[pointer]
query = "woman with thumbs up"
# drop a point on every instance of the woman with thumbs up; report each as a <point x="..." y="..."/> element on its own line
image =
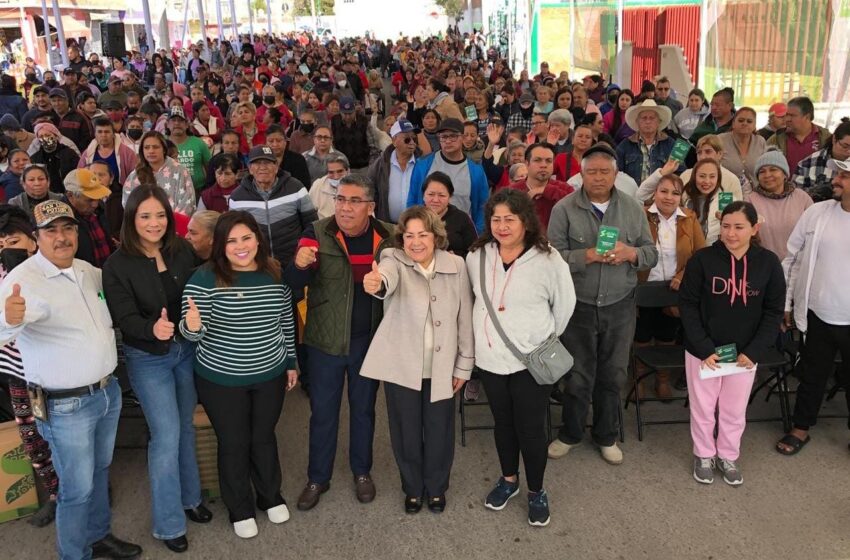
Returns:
<point x="426" y="334"/>
<point x="240" y="312"/>
<point x="144" y="282"/>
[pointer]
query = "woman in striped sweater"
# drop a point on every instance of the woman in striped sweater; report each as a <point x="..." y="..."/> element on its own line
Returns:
<point x="240" y="312"/>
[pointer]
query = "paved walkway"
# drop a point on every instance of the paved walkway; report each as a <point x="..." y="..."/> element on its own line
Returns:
<point x="648" y="508"/>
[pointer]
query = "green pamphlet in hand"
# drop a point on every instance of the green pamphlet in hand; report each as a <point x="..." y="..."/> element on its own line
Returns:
<point x="724" y="199"/>
<point x="308" y="86"/>
<point x="680" y="150"/>
<point x="471" y="113"/>
<point x="727" y="354"/>
<point x="607" y="239"/>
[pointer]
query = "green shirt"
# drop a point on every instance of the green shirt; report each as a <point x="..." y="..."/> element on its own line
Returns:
<point x="248" y="329"/>
<point x="194" y="155"/>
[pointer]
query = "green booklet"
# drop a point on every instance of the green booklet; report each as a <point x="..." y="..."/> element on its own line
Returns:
<point x="308" y="86"/>
<point x="471" y="113"/>
<point x="607" y="239"/>
<point x="727" y="354"/>
<point x="680" y="150"/>
<point x="724" y="199"/>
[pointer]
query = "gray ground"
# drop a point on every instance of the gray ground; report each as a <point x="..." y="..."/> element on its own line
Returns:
<point x="647" y="508"/>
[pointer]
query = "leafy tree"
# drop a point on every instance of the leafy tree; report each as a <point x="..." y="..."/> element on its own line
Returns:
<point x="453" y="8"/>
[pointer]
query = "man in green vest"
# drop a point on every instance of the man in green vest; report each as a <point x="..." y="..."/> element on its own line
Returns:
<point x="334" y="254"/>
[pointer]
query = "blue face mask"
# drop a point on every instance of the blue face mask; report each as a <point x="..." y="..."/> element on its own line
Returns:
<point x="147" y="126"/>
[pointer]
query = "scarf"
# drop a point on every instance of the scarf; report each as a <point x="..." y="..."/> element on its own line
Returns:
<point x="437" y="100"/>
<point x="786" y="192"/>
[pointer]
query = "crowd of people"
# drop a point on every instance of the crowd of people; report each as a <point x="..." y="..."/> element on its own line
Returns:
<point x="443" y="216"/>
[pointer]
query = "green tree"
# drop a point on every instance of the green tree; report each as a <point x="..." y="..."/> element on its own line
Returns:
<point x="453" y="8"/>
<point x="323" y="8"/>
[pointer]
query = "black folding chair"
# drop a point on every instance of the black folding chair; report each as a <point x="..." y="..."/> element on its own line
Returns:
<point x="669" y="357"/>
<point x="779" y="364"/>
<point x="464" y="426"/>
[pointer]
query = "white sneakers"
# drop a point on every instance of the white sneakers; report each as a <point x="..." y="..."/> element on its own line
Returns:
<point x="612" y="454"/>
<point x="278" y="514"/>
<point x="246" y="528"/>
<point x="558" y="448"/>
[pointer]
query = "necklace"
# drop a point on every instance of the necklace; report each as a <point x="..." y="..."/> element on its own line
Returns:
<point x="501" y="306"/>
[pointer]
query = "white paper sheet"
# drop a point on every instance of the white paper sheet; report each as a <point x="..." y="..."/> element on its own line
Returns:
<point x="724" y="370"/>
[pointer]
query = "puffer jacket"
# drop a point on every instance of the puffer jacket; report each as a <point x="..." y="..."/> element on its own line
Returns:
<point x="283" y="214"/>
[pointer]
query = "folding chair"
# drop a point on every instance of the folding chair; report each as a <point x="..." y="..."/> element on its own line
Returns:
<point x="464" y="427"/>
<point x="779" y="365"/>
<point x="654" y="358"/>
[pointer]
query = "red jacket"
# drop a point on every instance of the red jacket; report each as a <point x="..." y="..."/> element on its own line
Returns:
<point x="544" y="202"/>
<point x="562" y="165"/>
<point x="258" y="140"/>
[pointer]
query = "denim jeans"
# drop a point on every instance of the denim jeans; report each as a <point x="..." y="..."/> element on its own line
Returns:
<point x="165" y="387"/>
<point x="81" y="433"/>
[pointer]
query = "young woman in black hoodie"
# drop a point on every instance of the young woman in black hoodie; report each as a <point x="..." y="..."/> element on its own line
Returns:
<point x="732" y="293"/>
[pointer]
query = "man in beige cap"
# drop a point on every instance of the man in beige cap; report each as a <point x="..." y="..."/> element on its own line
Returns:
<point x="649" y="147"/>
<point x="85" y="194"/>
<point x="54" y="308"/>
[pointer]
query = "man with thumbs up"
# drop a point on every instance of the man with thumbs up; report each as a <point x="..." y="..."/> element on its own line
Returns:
<point x="54" y="308"/>
<point x="334" y="258"/>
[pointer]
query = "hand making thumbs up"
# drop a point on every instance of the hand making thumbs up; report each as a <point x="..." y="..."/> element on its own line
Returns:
<point x="373" y="280"/>
<point x="305" y="257"/>
<point x="16" y="307"/>
<point x="193" y="317"/>
<point x="163" y="329"/>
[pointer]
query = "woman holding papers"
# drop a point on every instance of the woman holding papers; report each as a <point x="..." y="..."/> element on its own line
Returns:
<point x="731" y="303"/>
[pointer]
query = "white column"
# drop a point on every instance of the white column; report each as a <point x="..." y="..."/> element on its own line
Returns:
<point x="233" y="21"/>
<point x="621" y="24"/>
<point x="46" y="33"/>
<point x="185" y="23"/>
<point x="63" y="48"/>
<point x="218" y="20"/>
<point x="269" y="14"/>
<point x="251" y="20"/>
<point x="148" y="27"/>
<point x="203" y="21"/>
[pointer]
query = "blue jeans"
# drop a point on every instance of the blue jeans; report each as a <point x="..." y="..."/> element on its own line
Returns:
<point x="165" y="387"/>
<point x="81" y="434"/>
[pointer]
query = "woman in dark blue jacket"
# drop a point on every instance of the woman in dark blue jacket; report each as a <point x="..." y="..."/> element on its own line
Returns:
<point x="11" y="101"/>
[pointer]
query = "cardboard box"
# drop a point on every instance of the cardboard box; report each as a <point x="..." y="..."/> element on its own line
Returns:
<point x="206" y="450"/>
<point x="18" y="496"/>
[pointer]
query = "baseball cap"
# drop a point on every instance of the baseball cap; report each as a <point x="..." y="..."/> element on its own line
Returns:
<point x="83" y="181"/>
<point x="526" y="98"/>
<point x="402" y="125"/>
<point x="778" y="109"/>
<point x="600" y="148"/>
<point x="113" y="105"/>
<point x="260" y="153"/>
<point x="838" y="165"/>
<point x="453" y="125"/>
<point x="58" y="92"/>
<point x="69" y="70"/>
<point x="177" y="113"/>
<point x="48" y="211"/>
<point x="346" y="105"/>
<point x="114" y="78"/>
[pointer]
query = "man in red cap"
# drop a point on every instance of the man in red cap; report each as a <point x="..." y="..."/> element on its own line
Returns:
<point x="775" y="120"/>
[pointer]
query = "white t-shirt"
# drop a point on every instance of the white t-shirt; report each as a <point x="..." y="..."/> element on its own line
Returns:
<point x="829" y="297"/>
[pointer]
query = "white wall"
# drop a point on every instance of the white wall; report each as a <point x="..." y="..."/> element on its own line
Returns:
<point x="388" y="18"/>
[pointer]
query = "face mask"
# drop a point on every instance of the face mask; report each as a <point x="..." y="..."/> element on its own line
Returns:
<point x="333" y="182"/>
<point x="132" y="111"/>
<point x="51" y="83"/>
<point x="612" y="98"/>
<point x="308" y="128"/>
<point x="526" y="113"/>
<point x="49" y="144"/>
<point x="135" y="133"/>
<point x="146" y="126"/>
<point x="268" y="99"/>
<point x="342" y="83"/>
<point x="98" y="75"/>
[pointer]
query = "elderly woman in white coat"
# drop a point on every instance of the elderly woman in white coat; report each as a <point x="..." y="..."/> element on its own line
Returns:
<point x="423" y="350"/>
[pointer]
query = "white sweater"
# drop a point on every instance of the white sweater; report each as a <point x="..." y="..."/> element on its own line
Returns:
<point x="538" y="298"/>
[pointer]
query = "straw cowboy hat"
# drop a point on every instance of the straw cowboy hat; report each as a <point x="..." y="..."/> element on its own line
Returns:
<point x="664" y="114"/>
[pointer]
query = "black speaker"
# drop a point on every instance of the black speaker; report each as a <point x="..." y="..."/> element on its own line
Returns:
<point x="112" y="39"/>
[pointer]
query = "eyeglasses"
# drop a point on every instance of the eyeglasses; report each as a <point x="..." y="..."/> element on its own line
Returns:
<point x="409" y="140"/>
<point x="354" y="201"/>
<point x="444" y="137"/>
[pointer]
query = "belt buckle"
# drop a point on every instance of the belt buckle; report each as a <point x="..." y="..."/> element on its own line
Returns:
<point x="105" y="381"/>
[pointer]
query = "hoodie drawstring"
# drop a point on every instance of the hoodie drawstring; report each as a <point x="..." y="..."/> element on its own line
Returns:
<point x="734" y="291"/>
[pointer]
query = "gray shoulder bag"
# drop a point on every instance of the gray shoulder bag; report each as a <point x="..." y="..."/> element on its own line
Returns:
<point x="547" y="363"/>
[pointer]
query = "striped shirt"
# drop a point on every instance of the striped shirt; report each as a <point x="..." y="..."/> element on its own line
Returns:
<point x="248" y="329"/>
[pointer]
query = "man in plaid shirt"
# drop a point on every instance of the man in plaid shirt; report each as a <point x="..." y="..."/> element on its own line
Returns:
<point x="522" y="118"/>
<point x="84" y="193"/>
<point x="813" y="175"/>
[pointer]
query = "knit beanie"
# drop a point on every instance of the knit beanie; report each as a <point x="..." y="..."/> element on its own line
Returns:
<point x="9" y="122"/>
<point x="775" y="158"/>
<point x="47" y="127"/>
